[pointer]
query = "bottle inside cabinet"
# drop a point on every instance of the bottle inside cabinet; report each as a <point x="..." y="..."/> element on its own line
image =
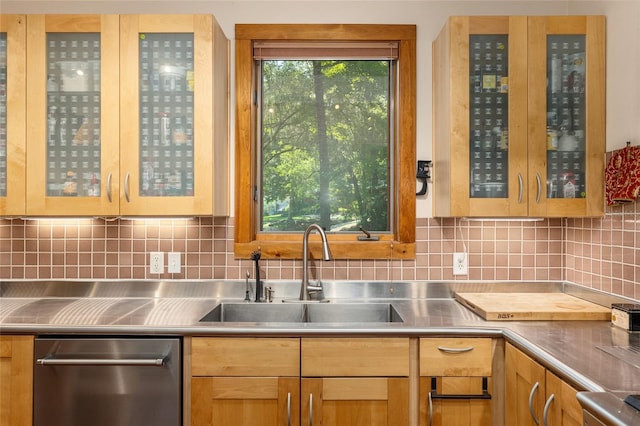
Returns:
<point x="489" y="119"/>
<point x="166" y="114"/>
<point x="566" y="72"/>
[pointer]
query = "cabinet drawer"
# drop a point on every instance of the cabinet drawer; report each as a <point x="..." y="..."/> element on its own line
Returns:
<point x="359" y="357"/>
<point x="256" y="357"/>
<point x="455" y="357"/>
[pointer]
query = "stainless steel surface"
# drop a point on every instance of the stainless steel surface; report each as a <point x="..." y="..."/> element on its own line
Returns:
<point x="590" y="420"/>
<point x="50" y="360"/>
<point x="609" y="408"/>
<point x="305" y="287"/>
<point x="107" y="381"/>
<point x="628" y="354"/>
<point x="340" y="313"/>
<point x="568" y="348"/>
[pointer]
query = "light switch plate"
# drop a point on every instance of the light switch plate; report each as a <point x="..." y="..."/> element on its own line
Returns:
<point x="174" y="263"/>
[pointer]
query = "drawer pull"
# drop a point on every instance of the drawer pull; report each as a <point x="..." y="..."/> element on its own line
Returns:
<point x="435" y="395"/>
<point x="310" y="409"/>
<point x="289" y="409"/>
<point x="455" y="350"/>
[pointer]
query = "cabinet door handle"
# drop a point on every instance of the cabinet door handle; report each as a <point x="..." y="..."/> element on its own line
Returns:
<point x="539" y="183"/>
<point x="289" y="409"/>
<point x="531" y="394"/>
<point x="126" y="187"/>
<point x="310" y="409"/>
<point x="455" y="350"/>
<point x="521" y="192"/>
<point x="109" y="187"/>
<point x="545" y="412"/>
<point x="430" y="402"/>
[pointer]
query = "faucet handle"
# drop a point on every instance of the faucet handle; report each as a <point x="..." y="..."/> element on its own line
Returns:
<point x="268" y="294"/>
<point x="315" y="287"/>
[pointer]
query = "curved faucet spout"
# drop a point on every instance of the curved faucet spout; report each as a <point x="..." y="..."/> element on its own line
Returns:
<point x="326" y="255"/>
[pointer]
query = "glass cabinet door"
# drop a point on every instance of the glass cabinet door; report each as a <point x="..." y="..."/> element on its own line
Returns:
<point x="167" y="113"/>
<point x="489" y="143"/>
<point x="566" y="74"/>
<point x="166" y="84"/>
<point x="12" y="114"/>
<point x="72" y="100"/>
<point x="566" y="116"/>
<point x="489" y="117"/>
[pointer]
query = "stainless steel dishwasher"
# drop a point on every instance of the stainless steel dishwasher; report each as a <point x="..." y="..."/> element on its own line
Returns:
<point x="123" y="381"/>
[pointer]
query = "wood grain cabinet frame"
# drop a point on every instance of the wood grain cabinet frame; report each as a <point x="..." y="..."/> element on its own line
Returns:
<point x="521" y="153"/>
<point x="16" y="380"/>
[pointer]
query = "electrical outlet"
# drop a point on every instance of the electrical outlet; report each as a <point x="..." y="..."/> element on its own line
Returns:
<point x="460" y="264"/>
<point x="156" y="262"/>
<point x="174" y="262"/>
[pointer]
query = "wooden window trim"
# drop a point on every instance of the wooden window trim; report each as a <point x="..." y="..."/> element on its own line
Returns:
<point x="400" y="244"/>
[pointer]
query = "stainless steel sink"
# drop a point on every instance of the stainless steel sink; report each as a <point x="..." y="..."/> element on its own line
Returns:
<point x="304" y="312"/>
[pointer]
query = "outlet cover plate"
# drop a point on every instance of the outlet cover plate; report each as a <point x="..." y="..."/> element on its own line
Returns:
<point x="156" y="262"/>
<point x="460" y="264"/>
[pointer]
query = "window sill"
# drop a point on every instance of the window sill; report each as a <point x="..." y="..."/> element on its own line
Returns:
<point x="340" y="249"/>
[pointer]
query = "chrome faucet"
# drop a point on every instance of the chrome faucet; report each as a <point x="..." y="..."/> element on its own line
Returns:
<point x="305" y="287"/>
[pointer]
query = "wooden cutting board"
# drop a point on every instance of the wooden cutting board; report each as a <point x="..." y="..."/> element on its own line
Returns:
<point x="532" y="307"/>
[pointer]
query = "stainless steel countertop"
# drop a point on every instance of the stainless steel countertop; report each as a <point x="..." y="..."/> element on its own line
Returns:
<point x="575" y="350"/>
<point x="610" y="408"/>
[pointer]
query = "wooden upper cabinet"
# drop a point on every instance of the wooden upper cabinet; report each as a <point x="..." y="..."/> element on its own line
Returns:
<point x="72" y="99"/>
<point x="124" y="113"/>
<point x="518" y="113"/>
<point x="12" y="114"/>
<point x="479" y="116"/>
<point x="567" y="102"/>
<point x="173" y="110"/>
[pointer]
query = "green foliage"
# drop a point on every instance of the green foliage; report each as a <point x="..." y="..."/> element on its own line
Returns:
<point x="355" y="108"/>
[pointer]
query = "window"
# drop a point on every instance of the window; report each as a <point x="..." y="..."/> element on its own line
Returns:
<point x="325" y="133"/>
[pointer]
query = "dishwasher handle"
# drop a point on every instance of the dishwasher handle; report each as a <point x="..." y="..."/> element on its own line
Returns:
<point x="150" y="362"/>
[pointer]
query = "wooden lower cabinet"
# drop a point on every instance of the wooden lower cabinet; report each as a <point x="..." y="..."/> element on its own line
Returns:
<point x="536" y="396"/>
<point x="298" y="382"/>
<point x="351" y="401"/>
<point x="233" y="401"/>
<point x="244" y="381"/>
<point x="355" y="381"/>
<point x="16" y="380"/>
<point x="456" y="381"/>
<point x="454" y="412"/>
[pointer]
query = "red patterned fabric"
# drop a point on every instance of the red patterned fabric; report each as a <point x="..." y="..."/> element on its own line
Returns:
<point x="622" y="176"/>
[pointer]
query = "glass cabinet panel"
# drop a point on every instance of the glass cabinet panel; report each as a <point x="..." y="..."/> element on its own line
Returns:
<point x="488" y="121"/>
<point x="73" y="114"/>
<point x="166" y="114"/>
<point x="566" y="106"/>
<point x="3" y="114"/>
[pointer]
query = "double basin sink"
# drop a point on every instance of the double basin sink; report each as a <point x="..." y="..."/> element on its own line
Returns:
<point x="304" y="313"/>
